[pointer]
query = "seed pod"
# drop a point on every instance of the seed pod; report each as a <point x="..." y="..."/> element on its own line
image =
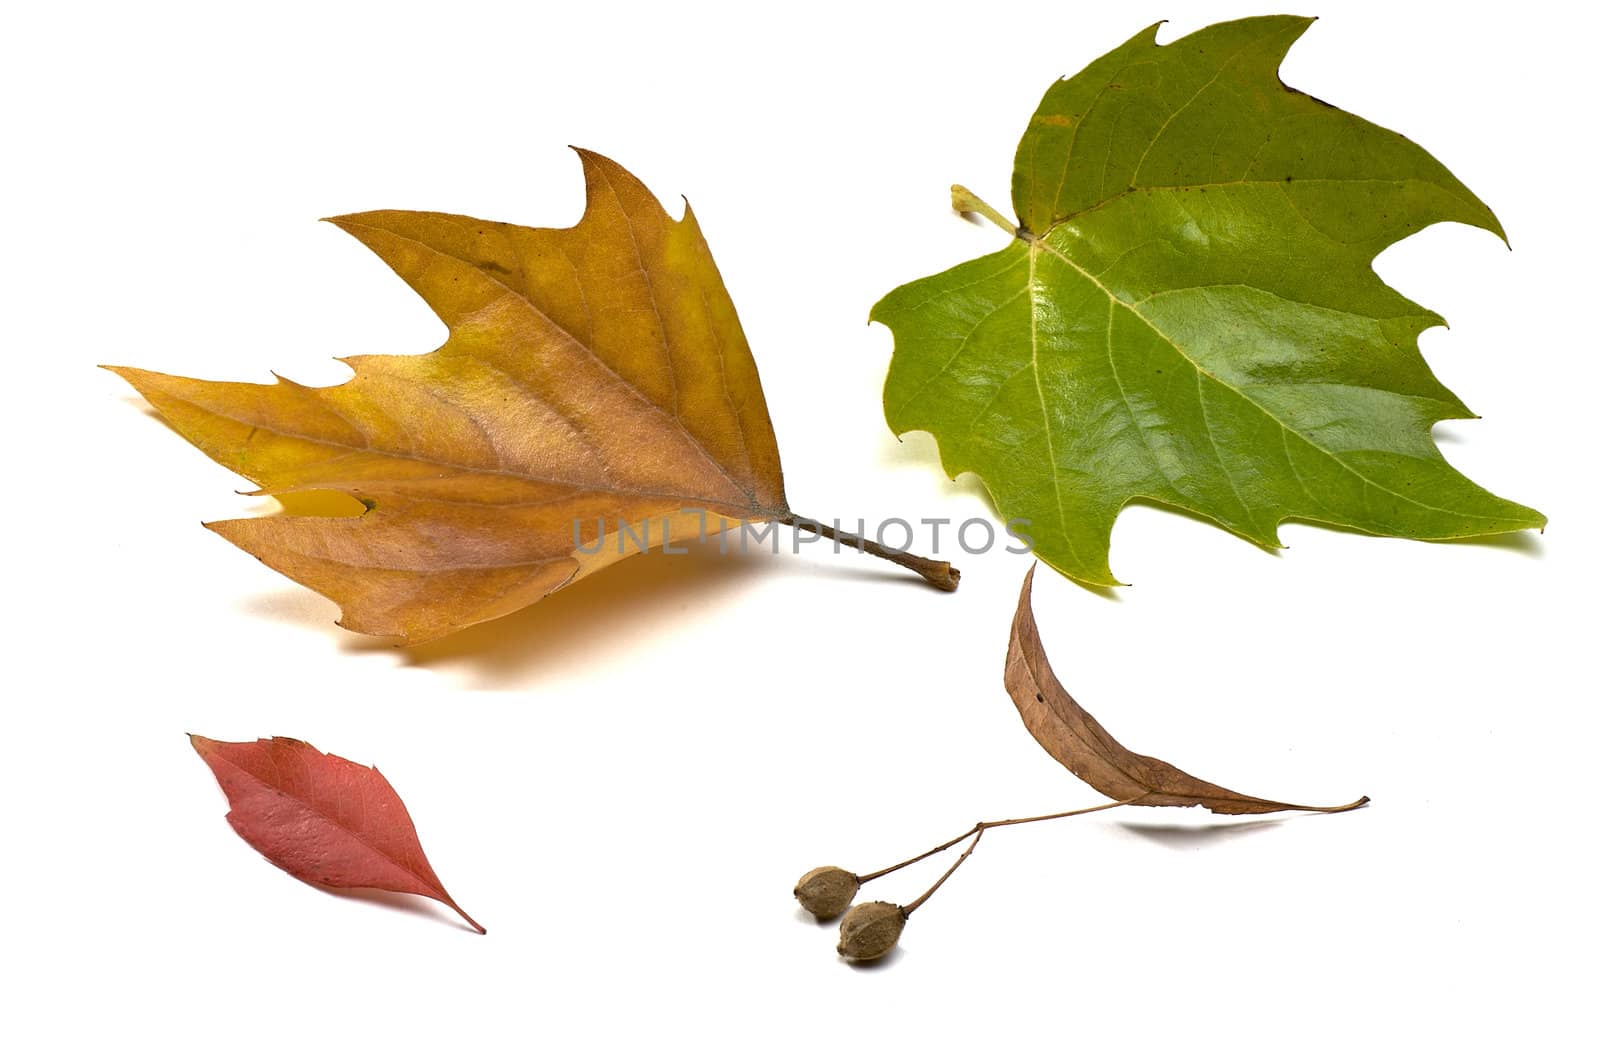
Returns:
<point x="826" y="891"/>
<point x="870" y="930"/>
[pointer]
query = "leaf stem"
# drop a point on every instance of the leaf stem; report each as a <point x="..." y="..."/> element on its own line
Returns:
<point x="863" y="879"/>
<point x="462" y="913"/>
<point x="963" y="201"/>
<point x="918" y="903"/>
<point x="979" y="828"/>
<point x="938" y="573"/>
<point x="976" y="834"/>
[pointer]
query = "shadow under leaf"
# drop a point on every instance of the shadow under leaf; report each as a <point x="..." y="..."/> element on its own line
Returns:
<point x="1198" y="836"/>
<point x="603" y="614"/>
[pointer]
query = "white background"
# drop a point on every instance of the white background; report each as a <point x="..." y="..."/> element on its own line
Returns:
<point x="623" y="783"/>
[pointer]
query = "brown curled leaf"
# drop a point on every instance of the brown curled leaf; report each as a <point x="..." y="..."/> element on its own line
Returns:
<point x="1076" y="739"/>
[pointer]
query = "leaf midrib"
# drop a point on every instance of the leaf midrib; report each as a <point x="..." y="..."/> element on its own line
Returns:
<point x="367" y="448"/>
<point x="1044" y="413"/>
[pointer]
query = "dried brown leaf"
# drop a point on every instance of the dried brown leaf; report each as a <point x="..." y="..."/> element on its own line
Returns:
<point x="1068" y="733"/>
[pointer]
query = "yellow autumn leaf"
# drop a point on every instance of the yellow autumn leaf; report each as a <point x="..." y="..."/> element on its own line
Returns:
<point x="595" y="385"/>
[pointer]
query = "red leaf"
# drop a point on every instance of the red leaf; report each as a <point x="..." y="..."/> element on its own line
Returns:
<point x="325" y="820"/>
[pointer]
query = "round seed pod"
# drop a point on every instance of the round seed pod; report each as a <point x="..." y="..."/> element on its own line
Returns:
<point x="870" y="930"/>
<point x="825" y="892"/>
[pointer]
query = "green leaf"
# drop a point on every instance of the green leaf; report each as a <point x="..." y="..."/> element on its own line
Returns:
<point x="1188" y="313"/>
